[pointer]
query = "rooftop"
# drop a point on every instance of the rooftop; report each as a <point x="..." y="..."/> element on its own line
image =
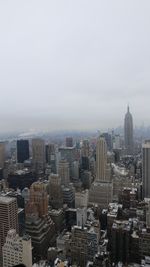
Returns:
<point x="6" y="200"/>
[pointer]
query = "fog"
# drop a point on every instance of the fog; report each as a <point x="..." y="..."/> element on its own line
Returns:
<point x="73" y="64"/>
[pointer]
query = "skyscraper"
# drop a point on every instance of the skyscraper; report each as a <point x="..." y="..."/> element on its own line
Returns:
<point x="2" y="154"/>
<point x="101" y="190"/>
<point x="39" y="197"/>
<point x="69" y="142"/>
<point x="38" y="154"/>
<point x="85" y="152"/>
<point x="51" y="156"/>
<point x="128" y="132"/>
<point x="101" y="159"/>
<point x="22" y="150"/>
<point x="8" y="218"/>
<point x="55" y="191"/>
<point x="63" y="171"/>
<point x="146" y="168"/>
<point x="17" y="250"/>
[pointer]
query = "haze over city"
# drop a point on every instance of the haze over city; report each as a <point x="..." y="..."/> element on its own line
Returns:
<point x="73" y="64"/>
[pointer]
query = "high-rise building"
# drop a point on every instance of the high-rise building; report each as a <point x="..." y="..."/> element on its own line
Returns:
<point x="22" y="150"/>
<point x="55" y="191"/>
<point x="85" y="150"/>
<point x="69" y="142"/>
<point x="2" y="154"/>
<point x="83" y="245"/>
<point x="17" y="250"/>
<point x="8" y="217"/>
<point x="85" y="153"/>
<point x="39" y="197"/>
<point x="68" y="195"/>
<point x="108" y="139"/>
<point x="81" y="216"/>
<point x="51" y="157"/>
<point x="128" y="132"/>
<point x="68" y="153"/>
<point x="39" y="224"/>
<point x="63" y="171"/>
<point x="101" y="190"/>
<point x="146" y="168"/>
<point x="81" y="199"/>
<point x="42" y="232"/>
<point x="38" y="154"/>
<point x="101" y="159"/>
<point x="120" y="241"/>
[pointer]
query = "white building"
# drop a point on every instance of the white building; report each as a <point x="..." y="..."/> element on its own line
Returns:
<point x="17" y="250"/>
<point x="81" y="199"/>
<point x="81" y="216"/>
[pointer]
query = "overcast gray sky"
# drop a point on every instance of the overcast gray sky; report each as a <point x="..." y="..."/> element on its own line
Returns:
<point x="73" y="64"/>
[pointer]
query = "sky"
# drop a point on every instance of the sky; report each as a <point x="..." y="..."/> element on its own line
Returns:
<point x="73" y="64"/>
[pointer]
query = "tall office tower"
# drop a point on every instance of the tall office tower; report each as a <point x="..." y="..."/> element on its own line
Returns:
<point x="17" y="250"/>
<point x="81" y="199"/>
<point x="38" y="154"/>
<point x="51" y="157"/>
<point x="69" y="142"/>
<point x="55" y="191"/>
<point x="85" y="152"/>
<point x="39" y="197"/>
<point x="101" y="159"/>
<point x="101" y="190"/>
<point x="63" y="171"/>
<point x="8" y="218"/>
<point x="128" y="132"/>
<point x="2" y="154"/>
<point x="83" y="245"/>
<point x="75" y="171"/>
<point x="81" y="216"/>
<point x="39" y="224"/>
<point x="22" y="150"/>
<point x="70" y="154"/>
<point x="108" y="139"/>
<point x="120" y="241"/>
<point x="41" y="230"/>
<point x="146" y="168"/>
<point x="68" y="195"/>
<point x="117" y="142"/>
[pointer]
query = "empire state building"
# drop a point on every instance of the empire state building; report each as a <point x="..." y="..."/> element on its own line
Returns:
<point x="128" y="132"/>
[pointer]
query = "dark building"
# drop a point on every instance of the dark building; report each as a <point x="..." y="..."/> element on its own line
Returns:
<point x="51" y="157"/>
<point x="71" y="218"/>
<point x="21" y="179"/>
<point x="69" y="142"/>
<point x="120" y="241"/>
<point x="22" y="150"/>
<point x="85" y="163"/>
<point x="42" y="232"/>
<point x="21" y="221"/>
<point x="19" y="198"/>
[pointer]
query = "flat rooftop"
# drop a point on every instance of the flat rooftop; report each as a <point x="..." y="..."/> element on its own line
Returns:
<point x="6" y="200"/>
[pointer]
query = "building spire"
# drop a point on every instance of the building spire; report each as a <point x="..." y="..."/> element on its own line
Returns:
<point x="128" y="108"/>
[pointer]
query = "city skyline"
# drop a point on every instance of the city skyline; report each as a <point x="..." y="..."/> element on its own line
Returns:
<point x="73" y="65"/>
